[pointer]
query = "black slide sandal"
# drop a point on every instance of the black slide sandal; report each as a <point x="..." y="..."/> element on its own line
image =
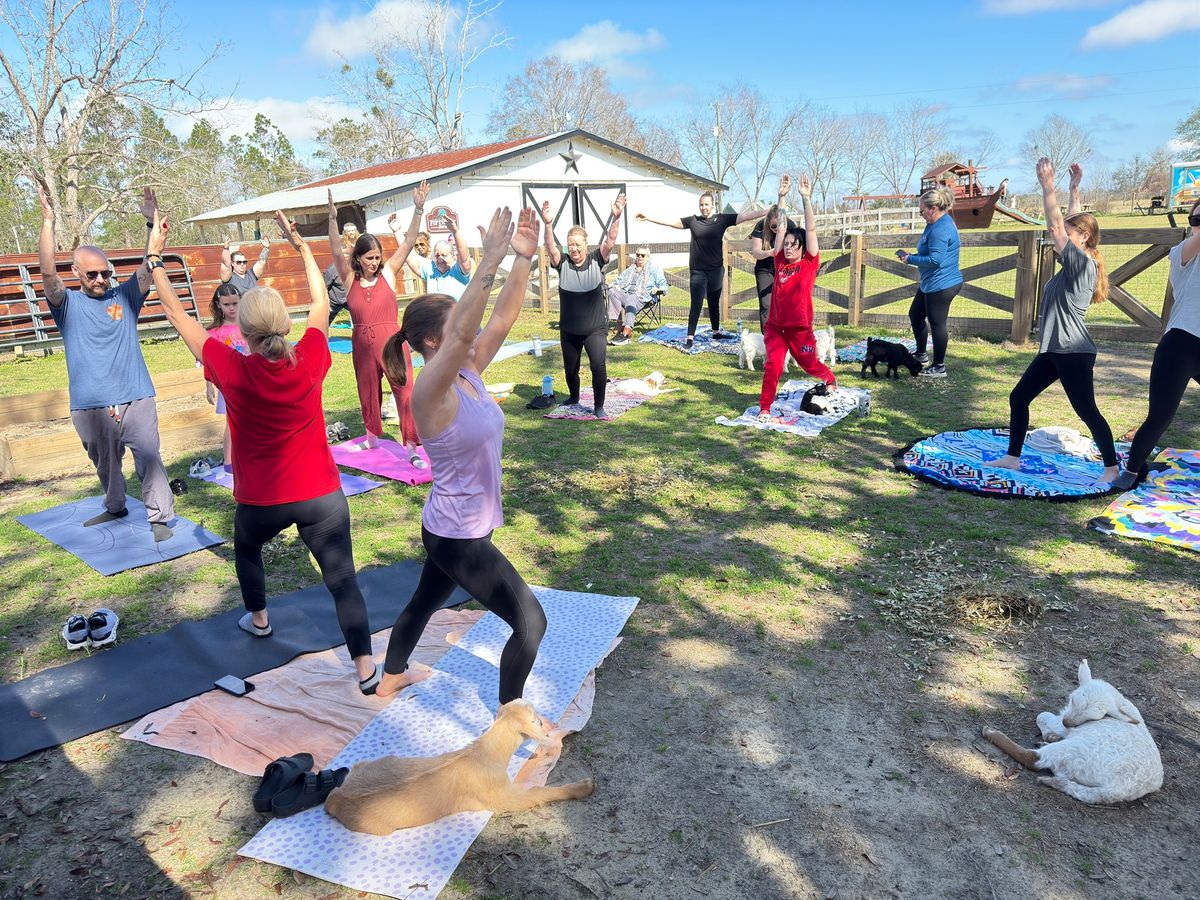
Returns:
<point x="311" y="790"/>
<point x="279" y="776"/>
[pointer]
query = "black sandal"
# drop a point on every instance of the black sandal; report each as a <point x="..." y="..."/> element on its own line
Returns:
<point x="280" y="775"/>
<point x="306" y="793"/>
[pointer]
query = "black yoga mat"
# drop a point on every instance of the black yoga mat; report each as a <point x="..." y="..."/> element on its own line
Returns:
<point x="131" y="679"/>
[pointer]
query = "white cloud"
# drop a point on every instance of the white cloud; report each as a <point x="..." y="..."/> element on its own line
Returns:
<point x="332" y="38"/>
<point x="1067" y="86"/>
<point x="298" y="119"/>
<point x="1144" y="22"/>
<point x="1025" y="7"/>
<point x="606" y="45"/>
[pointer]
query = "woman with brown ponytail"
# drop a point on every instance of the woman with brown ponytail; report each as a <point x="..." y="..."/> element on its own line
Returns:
<point x="283" y="471"/>
<point x="1067" y="353"/>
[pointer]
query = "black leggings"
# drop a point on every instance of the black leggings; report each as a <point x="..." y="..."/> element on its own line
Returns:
<point x="764" y="281"/>
<point x="706" y="283"/>
<point x="596" y="345"/>
<point x="324" y="526"/>
<point x="1176" y="362"/>
<point x="935" y="308"/>
<point x="1074" y="370"/>
<point x="479" y="568"/>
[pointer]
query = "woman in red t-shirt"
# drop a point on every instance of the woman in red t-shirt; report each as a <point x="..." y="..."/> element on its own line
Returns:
<point x="790" y="319"/>
<point x="283" y="472"/>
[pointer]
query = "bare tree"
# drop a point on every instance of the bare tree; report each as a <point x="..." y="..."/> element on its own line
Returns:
<point x="79" y="77"/>
<point x="864" y="130"/>
<point x="820" y="146"/>
<point x="421" y="75"/>
<point x="766" y="134"/>
<point x="715" y="137"/>
<point x="909" y="138"/>
<point x="552" y="95"/>
<point x="1060" y="139"/>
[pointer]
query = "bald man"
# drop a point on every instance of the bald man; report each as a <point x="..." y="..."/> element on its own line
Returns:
<point x="450" y="268"/>
<point x="111" y="395"/>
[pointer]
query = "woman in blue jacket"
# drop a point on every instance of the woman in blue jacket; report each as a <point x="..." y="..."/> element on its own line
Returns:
<point x="937" y="260"/>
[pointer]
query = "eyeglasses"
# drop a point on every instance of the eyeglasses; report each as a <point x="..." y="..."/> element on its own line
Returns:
<point x="239" y="262"/>
<point x="92" y="276"/>
<point x="640" y="255"/>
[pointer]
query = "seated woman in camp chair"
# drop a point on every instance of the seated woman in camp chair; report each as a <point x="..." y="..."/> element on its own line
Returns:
<point x="639" y="286"/>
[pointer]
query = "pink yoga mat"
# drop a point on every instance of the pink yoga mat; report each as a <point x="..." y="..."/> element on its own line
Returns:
<point x="389" y="460"/>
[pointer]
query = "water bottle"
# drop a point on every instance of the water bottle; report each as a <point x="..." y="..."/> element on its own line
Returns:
<point x="547" y="385"/>
<point x="537" y="347"/>
<point x="739" y="328"/>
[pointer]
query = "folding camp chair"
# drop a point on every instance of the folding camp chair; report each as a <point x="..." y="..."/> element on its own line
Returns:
<point x="651" y="312"/>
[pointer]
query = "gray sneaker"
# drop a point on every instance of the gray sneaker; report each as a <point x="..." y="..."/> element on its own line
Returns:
<point x="933" y="372"/>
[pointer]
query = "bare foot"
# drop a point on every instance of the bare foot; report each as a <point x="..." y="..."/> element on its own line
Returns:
<point x="1109" y="476"/>
<point x="1007" y="461"/>
<point x="393" y="684"/>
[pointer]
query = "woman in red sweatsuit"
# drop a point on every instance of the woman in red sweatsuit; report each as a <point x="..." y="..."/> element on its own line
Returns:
<point x="789" y="322"/>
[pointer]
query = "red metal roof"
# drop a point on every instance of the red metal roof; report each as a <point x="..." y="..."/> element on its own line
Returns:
<point x="447" y="160"/>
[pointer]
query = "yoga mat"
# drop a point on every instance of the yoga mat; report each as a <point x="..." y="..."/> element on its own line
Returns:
<point x="389" y="460"/>
<point x="116" y="546"/>
<point x="795" y="420"/>
<point x="1165" y="507"/>
<point x="615" y="405"/>
<point x="510" y="349"/>
<point x="309" y="704"/>
<point x="857" y="352"/>
<point x="675" y="335"/>
<point x="339" y="345"/>
<point x="148" y="673"/>
<point x="351" y="484"/>
<point x="443" y="713"/>
<point x="955" y="460"/>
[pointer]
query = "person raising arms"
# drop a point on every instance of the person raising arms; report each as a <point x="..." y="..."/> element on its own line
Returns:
<point x="463" y="429"/>
<point x="371" y="298"/>
<point x="1067" y="352"/>
<point x="283" y="470"/>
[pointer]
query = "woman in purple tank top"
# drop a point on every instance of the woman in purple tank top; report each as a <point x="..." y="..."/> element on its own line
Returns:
<point x="462" y="429"/>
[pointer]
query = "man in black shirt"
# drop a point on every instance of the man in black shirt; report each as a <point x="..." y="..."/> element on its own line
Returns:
<point x="705" y="261"/>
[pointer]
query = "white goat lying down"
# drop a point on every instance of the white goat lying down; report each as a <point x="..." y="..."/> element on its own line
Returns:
<point x="1102" y="751"/>
<point x="393" y="792"/>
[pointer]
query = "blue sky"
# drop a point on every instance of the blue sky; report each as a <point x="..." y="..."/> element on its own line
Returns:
<point x="1126" y="69"/>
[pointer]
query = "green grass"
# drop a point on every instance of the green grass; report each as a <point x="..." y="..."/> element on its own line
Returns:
<point x="718" y="530"/>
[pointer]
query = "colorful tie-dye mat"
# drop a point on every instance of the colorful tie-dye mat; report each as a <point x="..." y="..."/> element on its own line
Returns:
<point x="1165" y="507"/>
<point x="614" y="404"/>
<point x="442" y="713"/>
<point x="857" y="352"/>
<point x="675" y="335"/>
<point x="794" y="420"/>
<point x="957" y="460"/>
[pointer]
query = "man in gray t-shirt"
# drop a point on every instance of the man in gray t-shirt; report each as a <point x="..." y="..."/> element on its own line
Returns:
<point x="236" y="269"/>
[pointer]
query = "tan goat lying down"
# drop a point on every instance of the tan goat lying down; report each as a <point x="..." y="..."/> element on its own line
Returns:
<point x="382" y="795"/>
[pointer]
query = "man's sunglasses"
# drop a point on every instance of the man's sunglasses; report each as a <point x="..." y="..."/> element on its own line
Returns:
<point x="1194" y="221"/>
<point x="92" y="276"/>
<point x="239" y="262"/>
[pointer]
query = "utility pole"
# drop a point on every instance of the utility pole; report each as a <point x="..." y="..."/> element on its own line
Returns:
<point x="717" y="141"/>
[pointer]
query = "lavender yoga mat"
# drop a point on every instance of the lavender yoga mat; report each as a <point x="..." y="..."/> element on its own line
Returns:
<point x="389" y="460"/>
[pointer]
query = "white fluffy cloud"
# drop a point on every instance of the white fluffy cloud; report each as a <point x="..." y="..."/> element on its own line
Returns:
<point x="605" y="44"/>
<point x="1144" y="22"/>
<point x="332" y="38"/>
<point x="1025" y="7"/>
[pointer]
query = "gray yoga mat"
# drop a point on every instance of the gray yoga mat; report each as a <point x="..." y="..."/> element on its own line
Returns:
<point x="128" y="680"/>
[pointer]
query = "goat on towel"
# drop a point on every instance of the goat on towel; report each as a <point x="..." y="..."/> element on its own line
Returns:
<point x="393" y="792"/>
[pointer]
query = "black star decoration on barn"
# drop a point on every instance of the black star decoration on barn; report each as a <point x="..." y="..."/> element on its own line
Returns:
<point x="571" y="158"/>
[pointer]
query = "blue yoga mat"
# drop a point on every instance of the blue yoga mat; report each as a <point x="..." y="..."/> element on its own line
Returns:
<point x="116" y="546"/>
<point x="674" y="336"/>
<point x="351" y="484"/>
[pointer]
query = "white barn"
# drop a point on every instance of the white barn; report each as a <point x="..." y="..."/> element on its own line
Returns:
<point x="578" y="172"/>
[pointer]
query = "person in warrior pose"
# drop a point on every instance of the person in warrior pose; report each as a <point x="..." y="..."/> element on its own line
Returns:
<point x="371" y="298"/>
<point x="464" y="431"/>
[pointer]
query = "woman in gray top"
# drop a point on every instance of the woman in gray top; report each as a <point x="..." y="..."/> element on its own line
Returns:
<point x="1067" y="353"/>
<point x="1177" y="357"/>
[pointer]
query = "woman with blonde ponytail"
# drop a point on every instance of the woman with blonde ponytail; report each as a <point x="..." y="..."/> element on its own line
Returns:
<point x="283" y="472"/>
<point x="936" y="260"/>
<point x="1067" y="352"/>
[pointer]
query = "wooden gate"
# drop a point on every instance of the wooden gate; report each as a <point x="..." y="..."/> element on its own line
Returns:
<point x="587" y="205"/>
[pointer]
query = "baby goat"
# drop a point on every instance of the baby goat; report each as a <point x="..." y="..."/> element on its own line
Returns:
<point x="1102" y="750"/>
<point x="382" y="795"/>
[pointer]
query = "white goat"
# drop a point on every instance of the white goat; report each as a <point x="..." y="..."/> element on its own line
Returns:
<point x="1102" y="751"/>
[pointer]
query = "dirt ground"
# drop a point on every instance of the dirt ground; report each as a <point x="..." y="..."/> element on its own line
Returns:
<point x="836" y="755"/>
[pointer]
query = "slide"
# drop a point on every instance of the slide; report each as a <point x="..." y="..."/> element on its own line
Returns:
<point x="1018" y="215"/>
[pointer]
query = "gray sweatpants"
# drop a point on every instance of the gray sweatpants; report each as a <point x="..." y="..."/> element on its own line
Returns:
<point x="620" y="300"/>
<point x="105" y="439"/>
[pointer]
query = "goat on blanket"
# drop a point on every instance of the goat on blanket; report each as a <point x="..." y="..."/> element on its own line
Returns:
<point x="381" y="795"/>
<point x="1102" y="750"/>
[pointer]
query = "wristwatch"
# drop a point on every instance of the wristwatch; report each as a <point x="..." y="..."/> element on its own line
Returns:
<point x="155" y="264"/>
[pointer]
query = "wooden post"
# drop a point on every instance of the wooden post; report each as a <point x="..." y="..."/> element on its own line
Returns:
<point x="1025" y="297"/>
<point x="854" y="299"/>
<point x="543" y="280"/>
<point x="727" y="287"/>
<point x="622" y="258"/>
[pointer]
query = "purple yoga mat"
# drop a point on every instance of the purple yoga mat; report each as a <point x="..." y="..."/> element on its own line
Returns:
<point x="351" y="484"/>
<point x="389" y="460"/>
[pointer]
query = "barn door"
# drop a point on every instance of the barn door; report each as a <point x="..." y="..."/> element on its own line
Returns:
<point x="589" y="205"/>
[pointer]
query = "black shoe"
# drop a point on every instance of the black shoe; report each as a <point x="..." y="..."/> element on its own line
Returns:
<point x="687" y="344"/>
<point x="279" y="776"/>
<point x="1125" y="480"/>
<point x="620" y="340"/>
<point x="306" y="793"/>
<point x="106" y="516"/>
<point x="722" y="336"/>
